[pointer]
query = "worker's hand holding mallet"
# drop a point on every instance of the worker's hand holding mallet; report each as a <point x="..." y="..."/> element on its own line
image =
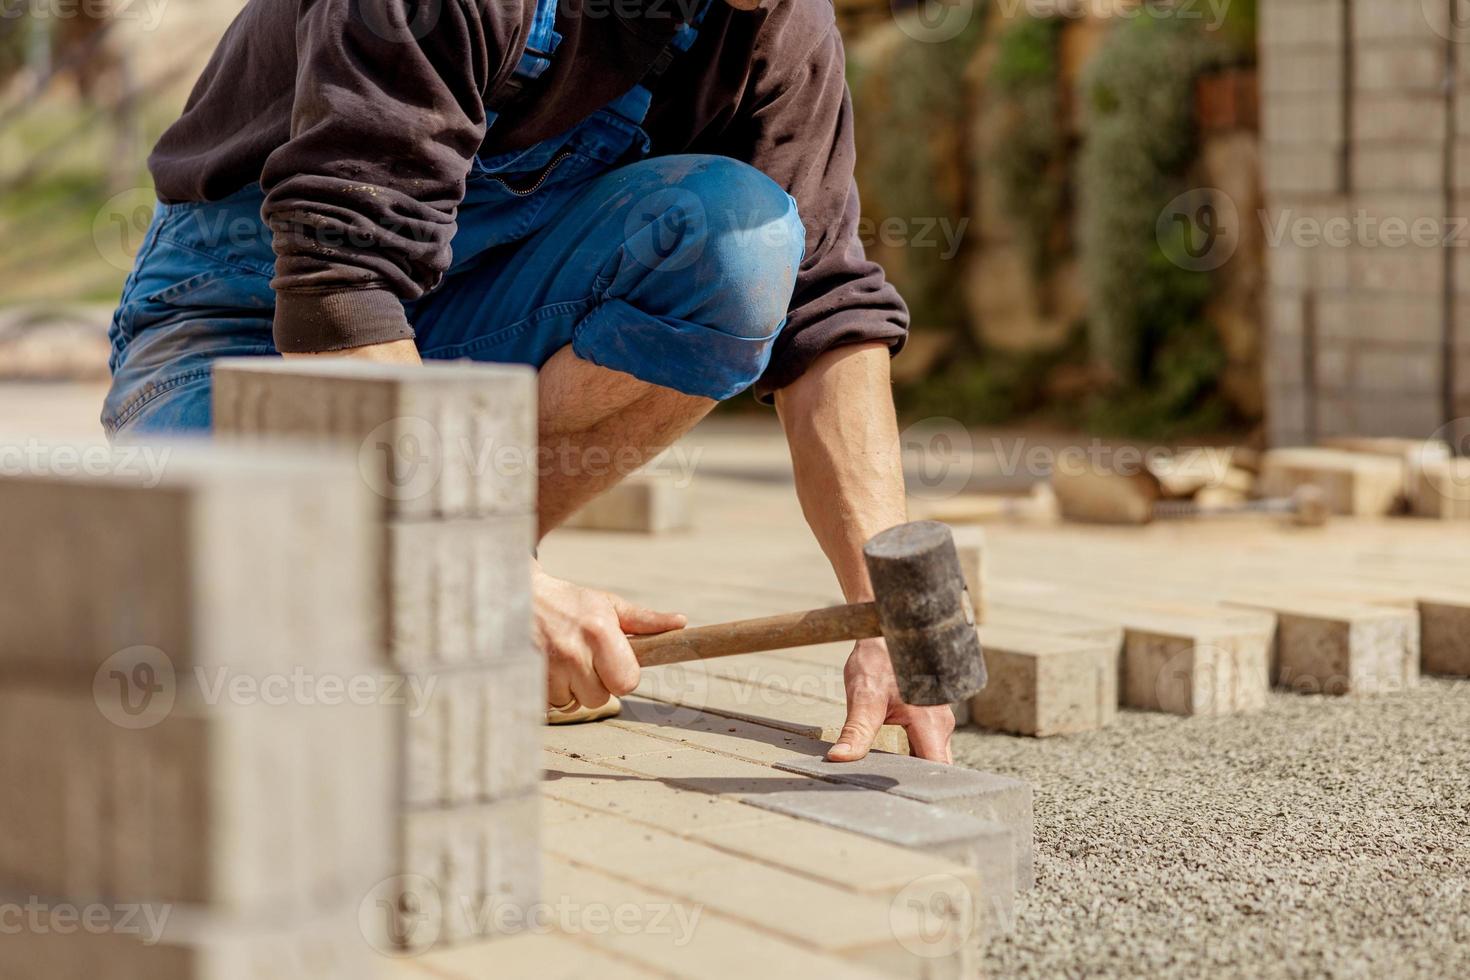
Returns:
<point x="922" y="614"/>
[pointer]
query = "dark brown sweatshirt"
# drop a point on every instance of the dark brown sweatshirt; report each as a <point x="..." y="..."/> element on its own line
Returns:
<point x="360" y="119"/>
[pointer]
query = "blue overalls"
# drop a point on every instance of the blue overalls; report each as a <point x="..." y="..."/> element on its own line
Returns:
<point x="678" y="270"/>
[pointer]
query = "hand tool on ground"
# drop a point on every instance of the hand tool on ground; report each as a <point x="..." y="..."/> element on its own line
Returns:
<point x="1100" y="496"/>
<point x="922" y="610"/>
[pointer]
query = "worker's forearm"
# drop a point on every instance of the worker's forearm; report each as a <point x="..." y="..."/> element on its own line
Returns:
<point x="843" y="433"/>
<point x="393" y="352"/>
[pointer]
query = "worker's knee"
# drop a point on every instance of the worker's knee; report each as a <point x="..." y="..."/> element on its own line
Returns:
<point x="715" y="246"/>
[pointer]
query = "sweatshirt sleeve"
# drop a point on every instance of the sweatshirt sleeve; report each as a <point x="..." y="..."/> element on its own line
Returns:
<point x="801" y="135"/>
<point x="361" y="200"/>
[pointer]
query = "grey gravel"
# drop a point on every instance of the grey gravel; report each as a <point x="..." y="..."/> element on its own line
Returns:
<point x="1321" y="837"/>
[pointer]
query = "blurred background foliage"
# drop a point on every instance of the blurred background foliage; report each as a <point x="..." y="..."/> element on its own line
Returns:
<point x="1012" y="169"/>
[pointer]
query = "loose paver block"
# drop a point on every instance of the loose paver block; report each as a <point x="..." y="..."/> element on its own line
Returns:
<point x="1355" y="484"/>
<point x="988" y="796"/>
<point x="466" y="873"/>
<point x="239" y="560"/>
<point x="1444" y="636"/>
<point x="1045" y="685"/>
<point x="969" y="542"/>
<point x="438" y="440"/>
<point x="1194" y="667"/>
<point x="1328" y="647"/>
<point x="1441" y="489"/>
<point x="472" y="735"/>
<point x="459" y="592"/>
<point x="643" y="504"/>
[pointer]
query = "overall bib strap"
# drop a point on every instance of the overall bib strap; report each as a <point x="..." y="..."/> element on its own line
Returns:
<point x="535" y="60"/>
<point x="633" y="104"/>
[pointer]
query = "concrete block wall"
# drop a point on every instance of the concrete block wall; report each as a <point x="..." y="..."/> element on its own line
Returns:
<point x="185" y="796"/>
<point x="449" y="452"/>
<point x="1362" y="187"/>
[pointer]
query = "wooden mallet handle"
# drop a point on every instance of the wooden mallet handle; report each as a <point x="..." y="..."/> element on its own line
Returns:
<point x="856" y="622"/>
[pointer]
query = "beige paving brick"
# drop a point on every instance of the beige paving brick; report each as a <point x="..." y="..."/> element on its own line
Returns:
<point x="1082" y="628"/>
<point x="473" y="735"/>
<point x="1441" y="489"/>
<point x="718" y="733"/>
<point x="1045" y="685"/>
<point x="969" y="542"/>
<point x="549" y="955"/>
<point x="1358" y="484"/>
<point x="472" y="872"/>
<point x="255" y="562"/>
<point x="1194" y="667"/>
<point x="253" y="810"/>
<point x="438" y="440"/>
<point x="459" y="592"/>
<point x="1328" y="647"/>
<point x="1444" y="636"/>
<point x="683" y="938"/>
<point x="642" y="503"/>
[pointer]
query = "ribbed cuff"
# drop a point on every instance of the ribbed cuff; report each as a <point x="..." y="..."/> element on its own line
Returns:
<point x="309" y="323"/>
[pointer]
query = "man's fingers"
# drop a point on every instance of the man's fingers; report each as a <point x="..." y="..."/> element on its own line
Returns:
<point x="864" y="718"/>
<point x="638" y="620"/>
<point x="929" y="730"/>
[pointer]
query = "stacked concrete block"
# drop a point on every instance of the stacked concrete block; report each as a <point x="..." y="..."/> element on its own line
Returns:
<point x="1356" y="124"/>
<point x="450" y="450"/>
<point x="1441" y="489"/>
<point x="1194" y="666"/>
<point x="193" y="720"/>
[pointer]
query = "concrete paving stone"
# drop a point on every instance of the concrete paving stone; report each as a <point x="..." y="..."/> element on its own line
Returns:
<point x="708" y="772"/>
<point x="477" y="868"/>
<point x="548" y="955"/>
<point x="690" y="689"/>
<point x="641" y="504"/>
<point x="1355" y="484"/>
<point x="1083" y="628"/>
<point x="474" y="735"/>
<point x="253" y="810"/>
<point x="803" y="682"/>
<point x="620" y="794"/>
<point x="440" y="440"/>
<point x="680" y="938"/>
<point x="1328" y="647"/>
<point x="635" y="851"/>
<point x="989" y="797"/>
<point x="459" y="592"/>
<point x="1441" y="490"/>
<point x="1043" y="685"/>
<point x="986" y="847"/>
<point x="1444" y="635"/>
<point x="193" y="945"/>
<point x="969" y="541"/>
<point x="256" y="562"/>
<point x="1194" y="667"/>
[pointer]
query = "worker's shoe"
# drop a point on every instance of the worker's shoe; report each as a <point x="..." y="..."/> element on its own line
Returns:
<point x="578" y="714"/>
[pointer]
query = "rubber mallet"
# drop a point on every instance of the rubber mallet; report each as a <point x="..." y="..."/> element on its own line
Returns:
<point x="922" y="610"/>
